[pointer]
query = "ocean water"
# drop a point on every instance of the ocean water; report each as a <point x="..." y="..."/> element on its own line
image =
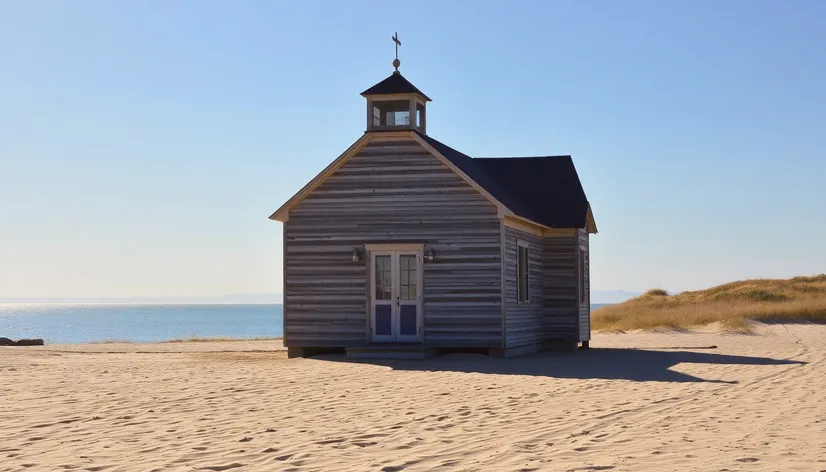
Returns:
<point x="71" y="324"/>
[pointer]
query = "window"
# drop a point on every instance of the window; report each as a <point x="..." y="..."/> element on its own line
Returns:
<point x="376" y="116"/>
<point x="523" y="281"/>
<point x="383" y="277"/>
<point x="391" y="113"/>
<point x="420" y="118"/>
<point x="583" y="275"/>
<point x="408" y="276"/>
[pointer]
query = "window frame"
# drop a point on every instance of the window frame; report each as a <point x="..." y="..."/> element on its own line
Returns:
<point x="523" y="280"/>
<point x="582" y="263"/>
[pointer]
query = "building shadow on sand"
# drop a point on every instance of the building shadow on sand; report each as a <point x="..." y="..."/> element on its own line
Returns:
<point x="612" y="364"/>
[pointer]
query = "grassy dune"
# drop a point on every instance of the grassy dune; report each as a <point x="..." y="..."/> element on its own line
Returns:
<point x="733" y="304"/>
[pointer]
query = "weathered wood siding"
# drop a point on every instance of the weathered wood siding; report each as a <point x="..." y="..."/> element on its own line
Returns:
<point x="585" y="307"/>
<point x="523" y="321"/>
<point x="559" y="285"/>
<point x="393" y="191"/>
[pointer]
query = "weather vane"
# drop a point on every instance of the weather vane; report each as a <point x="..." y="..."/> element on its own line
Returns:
<point x="396" y="61"/>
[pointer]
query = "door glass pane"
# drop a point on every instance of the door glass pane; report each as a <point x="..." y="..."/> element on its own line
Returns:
<point x="407" y="320"/>
<point x="408" y="276"/>
<point x="383" y="278"/>
<point x="384" y="319"/>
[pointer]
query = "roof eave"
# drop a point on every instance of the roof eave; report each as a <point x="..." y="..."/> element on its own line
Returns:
<point x="282" y="214"/>
<point x="590" y="222"/>
<point x="417" y="94"/>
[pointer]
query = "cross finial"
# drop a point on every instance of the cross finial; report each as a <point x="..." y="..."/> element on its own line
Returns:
<point x="396" y="61"/>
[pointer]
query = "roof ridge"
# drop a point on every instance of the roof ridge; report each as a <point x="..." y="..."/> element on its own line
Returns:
<point x="544" y="189"/>
<point x="525" y="157"/>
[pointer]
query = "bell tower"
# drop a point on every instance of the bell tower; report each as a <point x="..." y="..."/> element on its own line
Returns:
<point x="395" y="103"/>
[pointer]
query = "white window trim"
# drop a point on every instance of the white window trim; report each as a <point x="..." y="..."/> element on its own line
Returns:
<point x="527" y="301"/>
<point x="395" y="247"/>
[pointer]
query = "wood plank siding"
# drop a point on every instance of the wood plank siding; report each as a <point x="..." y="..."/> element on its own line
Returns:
<point x="585" y="307"/>
<point x="523" y="320"/>
<point x="553" y="311"/>
<point x="559" y="285"/>
<point x="393" y="192"/>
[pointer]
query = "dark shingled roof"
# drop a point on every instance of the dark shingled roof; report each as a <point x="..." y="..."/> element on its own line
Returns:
<point x="543" y="189"/>
<point x="396" y="83"/>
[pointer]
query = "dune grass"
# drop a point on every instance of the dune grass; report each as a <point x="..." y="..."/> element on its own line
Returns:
<point x="733" y="305"/>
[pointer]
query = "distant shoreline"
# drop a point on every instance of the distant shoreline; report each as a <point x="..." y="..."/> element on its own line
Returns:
<point x="2" y="303"/>
<point x="136" y="303"/>
<point x="80" y="323"/>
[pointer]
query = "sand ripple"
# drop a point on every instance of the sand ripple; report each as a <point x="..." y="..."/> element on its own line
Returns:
<point x="757" y="402"/>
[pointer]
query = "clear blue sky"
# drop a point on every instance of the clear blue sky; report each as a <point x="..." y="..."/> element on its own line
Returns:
<point x="144" y="144"/>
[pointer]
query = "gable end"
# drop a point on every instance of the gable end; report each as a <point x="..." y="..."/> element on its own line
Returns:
<point x="282" y="214"/>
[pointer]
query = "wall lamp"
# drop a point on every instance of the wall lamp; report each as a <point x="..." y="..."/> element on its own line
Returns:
<point x="356" y="254"/>
<point x="428" y="256"/>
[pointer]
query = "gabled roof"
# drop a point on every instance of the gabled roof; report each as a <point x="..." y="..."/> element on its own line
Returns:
<point x="394" y="84"/>
<point x="547" y="188"/>
<point x="544" y="189"/>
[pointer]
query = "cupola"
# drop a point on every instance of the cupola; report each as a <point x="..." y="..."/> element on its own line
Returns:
<point x="395" y="103"/>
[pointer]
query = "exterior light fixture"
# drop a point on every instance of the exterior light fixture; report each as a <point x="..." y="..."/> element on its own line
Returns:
<point x="356" y="255"/>
<point x="428" y="256"/>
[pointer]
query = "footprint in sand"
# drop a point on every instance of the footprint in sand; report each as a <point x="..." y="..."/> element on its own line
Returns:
<point x="392" y="468"/>
<point x="748" y="459"/>
<point x="364" y="443"/>
<point x="329" y="441"/>
<point x="234" y="465"/>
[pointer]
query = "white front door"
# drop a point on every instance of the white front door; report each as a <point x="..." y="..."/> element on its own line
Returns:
<point x="396" y="288"/>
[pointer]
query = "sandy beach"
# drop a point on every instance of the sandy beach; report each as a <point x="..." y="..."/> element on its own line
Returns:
<point x="636" y="401"/>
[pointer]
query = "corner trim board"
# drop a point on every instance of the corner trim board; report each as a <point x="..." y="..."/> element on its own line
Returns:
<point x="284" y="309"/>
<point x="503" y="294"/>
